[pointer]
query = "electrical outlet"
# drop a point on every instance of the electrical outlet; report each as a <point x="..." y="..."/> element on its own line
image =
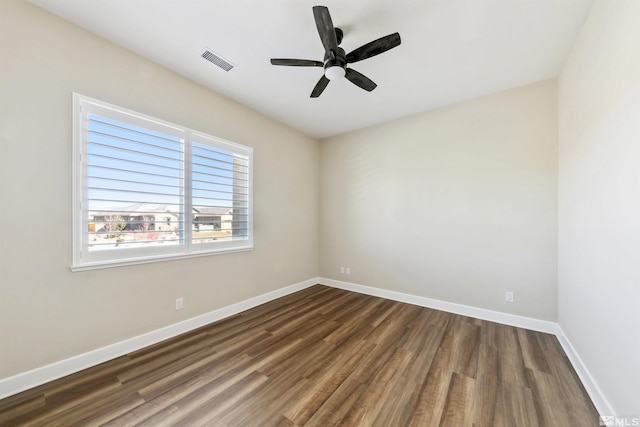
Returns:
<point x="342" y="270"/>
<point x="179" y="303"/>
<point x="347" y="270"/>
<point x="508" y="296"/>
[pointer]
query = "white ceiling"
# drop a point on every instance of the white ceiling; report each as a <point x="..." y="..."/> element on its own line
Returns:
<point x="451" y="50"/>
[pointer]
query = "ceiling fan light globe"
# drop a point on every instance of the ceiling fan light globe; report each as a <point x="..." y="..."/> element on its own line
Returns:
<point x="334" y="72"/>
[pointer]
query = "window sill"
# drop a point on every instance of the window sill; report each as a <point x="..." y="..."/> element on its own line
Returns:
<point x="147" y="260"/>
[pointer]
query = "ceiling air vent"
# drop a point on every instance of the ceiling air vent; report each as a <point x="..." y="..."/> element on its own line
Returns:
<point x="216" y="59"/>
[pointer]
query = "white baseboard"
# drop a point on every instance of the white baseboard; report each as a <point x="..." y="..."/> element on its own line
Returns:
<point x="450" y="307"/>
<point x="597" y="396"/>
<point x="26" y="380"/>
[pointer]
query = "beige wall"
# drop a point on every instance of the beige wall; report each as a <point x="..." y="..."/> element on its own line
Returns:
<point x="49" y="313"/>
<point x="599" y="200"/>
<point x="457" y="204"/>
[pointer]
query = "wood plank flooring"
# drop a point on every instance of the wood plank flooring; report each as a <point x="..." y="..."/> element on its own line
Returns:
<point x="324" y="357"/>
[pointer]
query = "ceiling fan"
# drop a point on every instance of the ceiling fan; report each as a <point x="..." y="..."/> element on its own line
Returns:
<point x="335" y="60"/>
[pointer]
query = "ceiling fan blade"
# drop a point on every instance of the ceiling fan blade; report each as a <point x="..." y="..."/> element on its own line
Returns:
<point x="296" y="62"/>
<point x="360" y="80"/>
<point x="322" y="83"/>
<point x="326" y="30"/>
<point x="374" y="48"/>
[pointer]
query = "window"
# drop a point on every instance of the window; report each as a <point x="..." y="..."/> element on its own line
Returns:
<point x="147" y="190"/>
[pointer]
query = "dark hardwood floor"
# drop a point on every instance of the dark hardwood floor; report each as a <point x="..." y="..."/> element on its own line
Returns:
<point x="324" y="357"/>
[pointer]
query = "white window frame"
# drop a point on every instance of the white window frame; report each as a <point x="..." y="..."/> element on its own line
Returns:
<point x="83" y="259"/>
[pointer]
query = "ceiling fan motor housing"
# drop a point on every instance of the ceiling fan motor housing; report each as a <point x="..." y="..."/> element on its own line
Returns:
<point x="335" y="65"/>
